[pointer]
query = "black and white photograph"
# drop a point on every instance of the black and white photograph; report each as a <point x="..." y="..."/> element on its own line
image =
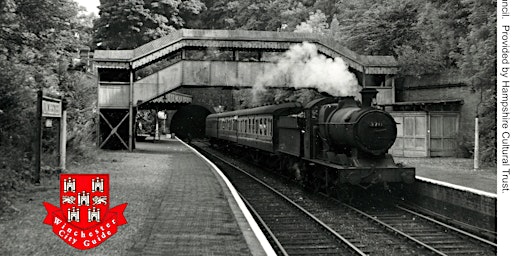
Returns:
<point x="255" y="127"/>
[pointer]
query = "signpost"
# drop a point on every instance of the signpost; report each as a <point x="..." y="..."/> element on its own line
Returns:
<point x="49" y="107"/>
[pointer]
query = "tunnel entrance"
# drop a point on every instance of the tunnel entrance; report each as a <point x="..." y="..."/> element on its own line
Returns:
<point x="189" y="121"/>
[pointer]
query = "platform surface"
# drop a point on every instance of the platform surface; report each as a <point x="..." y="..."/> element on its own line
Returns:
<point x="177" y="205"/>
<point x="192" y="214"/>
<point x="456" y="171"/>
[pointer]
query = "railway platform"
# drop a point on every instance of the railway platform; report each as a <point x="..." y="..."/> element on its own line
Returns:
<point x="454" y="172"/>
<point x="198" y="212"/>
<point x="178" y="204"/>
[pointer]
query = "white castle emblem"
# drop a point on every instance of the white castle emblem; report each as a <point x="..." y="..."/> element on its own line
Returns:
<point x="69" y="185"/>
<point x="74" y="214"/>
<point x="94" y="214"/>
<point x="97" y="185"/>
<point x="83" y="199"/>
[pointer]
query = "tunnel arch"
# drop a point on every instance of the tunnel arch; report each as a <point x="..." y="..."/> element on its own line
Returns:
<point x="189" y="121"/>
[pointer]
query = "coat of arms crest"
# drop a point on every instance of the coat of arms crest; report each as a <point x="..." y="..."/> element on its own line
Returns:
<point x="84" y="219"/>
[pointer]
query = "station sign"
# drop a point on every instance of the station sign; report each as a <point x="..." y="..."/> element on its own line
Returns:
<point x="51" y="107"/>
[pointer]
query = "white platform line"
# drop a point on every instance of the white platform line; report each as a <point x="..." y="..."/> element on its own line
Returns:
<point x="458" y="187"/>
<point x="248" y="216"/>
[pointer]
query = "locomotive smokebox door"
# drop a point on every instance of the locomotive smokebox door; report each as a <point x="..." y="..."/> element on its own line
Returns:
<point x="367" y="96"/>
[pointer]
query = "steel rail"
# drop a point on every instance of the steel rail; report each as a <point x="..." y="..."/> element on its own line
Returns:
<point x="448" y="226"/>
<point x="396" y="231"/>
<point x="304" y="211"/>
<point x="262" y="222"/>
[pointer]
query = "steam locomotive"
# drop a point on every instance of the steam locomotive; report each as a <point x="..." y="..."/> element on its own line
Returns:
<point x="325" y="144"/>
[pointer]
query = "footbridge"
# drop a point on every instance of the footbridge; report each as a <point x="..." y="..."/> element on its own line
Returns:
<point x="201" y="67"/>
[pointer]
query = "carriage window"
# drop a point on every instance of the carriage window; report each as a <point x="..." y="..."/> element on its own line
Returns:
<point x="260" y="128"/>
<point x="265" y="125"/>
<point x="270" y="127"/>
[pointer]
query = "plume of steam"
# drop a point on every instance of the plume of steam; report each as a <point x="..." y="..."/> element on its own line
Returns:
<point x="303" y="67"/>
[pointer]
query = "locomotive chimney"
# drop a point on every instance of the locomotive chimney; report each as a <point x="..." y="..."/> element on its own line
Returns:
<point x="367" y="96"/>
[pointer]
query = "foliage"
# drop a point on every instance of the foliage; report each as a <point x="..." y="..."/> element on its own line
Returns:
<point x="253" y="15"/>
<point x="478" y="62"/>
<point x="248" y="98"/>
<point x="130" y="23"/>
<point x="316" y="23"/>
<point x="39" y="43"/>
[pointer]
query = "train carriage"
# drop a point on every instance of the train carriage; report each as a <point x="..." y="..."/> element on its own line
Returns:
<point x="254" y="128"/>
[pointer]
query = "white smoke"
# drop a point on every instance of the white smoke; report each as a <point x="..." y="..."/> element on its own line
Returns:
<point x="303" y="67"/>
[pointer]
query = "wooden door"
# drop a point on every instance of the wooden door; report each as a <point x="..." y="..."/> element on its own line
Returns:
<point x="412" y="134"/>
<point x="444" y="128"/>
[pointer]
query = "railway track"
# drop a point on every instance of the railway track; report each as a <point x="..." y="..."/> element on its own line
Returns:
<point x="291" y="228"/>
<point x="432" y="235"/>
<point x="375" y="229"/>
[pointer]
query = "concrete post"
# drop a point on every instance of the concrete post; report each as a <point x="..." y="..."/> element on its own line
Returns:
<point x="63" y="139"/>
<point x="130" y="121"/>
<point x="476" y="158"/>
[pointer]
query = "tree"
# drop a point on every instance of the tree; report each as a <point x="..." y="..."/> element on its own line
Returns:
<point x="130" y="23"/>
<point x="38" y="41"/>
<point x="441" y="25"/>
<point x="385" y="26"/>
<point x="478" y="63"/>
<point x="252" y="15"/>
<point x="316" y="23"/>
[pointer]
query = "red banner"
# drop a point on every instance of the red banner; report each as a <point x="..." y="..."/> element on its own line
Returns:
<point x="84" y="239"/>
